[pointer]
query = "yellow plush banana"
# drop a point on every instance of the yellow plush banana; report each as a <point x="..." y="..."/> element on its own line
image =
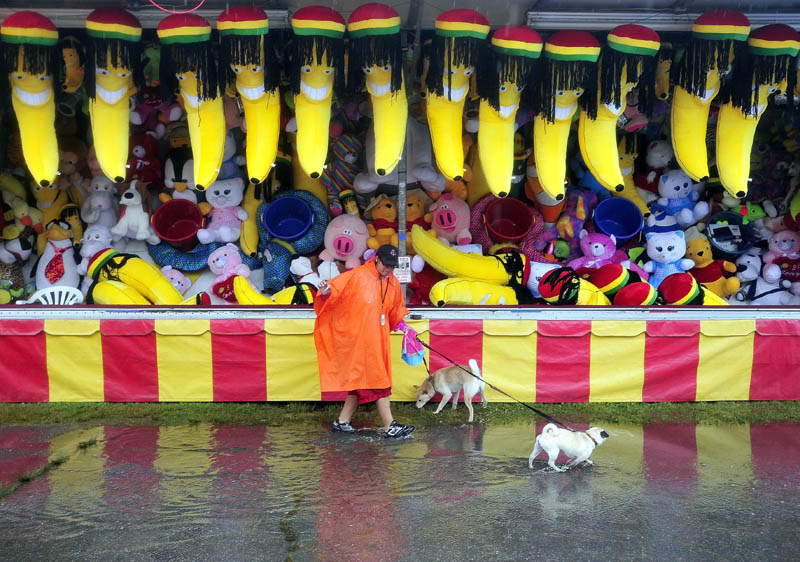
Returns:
<point x="550" y="143"/>
<point x="247" y="295"/>
<point x="248" y="239"/>
<point x="115" y="292"/>
<point x="455" y="51"/>
<point x="188" y="56"/>
<point x="459" y="291"/>
<point x="135" y="273"/>
<point x="627" y="155"/>
<point x="114" y="35"/>
<point x="29" y="49"/>
<point x="688" y="124"/>
<point x="598" y="142"/>
<point x="390" y="116"/>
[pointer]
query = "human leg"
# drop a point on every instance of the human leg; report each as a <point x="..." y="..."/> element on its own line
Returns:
<point x="390" y="427"/>
<point x="349" y="407"/>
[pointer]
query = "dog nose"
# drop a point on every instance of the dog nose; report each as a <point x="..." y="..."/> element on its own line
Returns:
<point x="604" y="435"/>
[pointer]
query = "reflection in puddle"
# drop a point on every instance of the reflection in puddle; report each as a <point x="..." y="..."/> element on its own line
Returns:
<point x="253" y="492"/>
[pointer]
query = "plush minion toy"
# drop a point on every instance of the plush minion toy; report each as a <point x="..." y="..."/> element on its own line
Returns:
<point x="627" y="59"/>
<point x="30" y="56"/>
<point x="717" y="39"/>
<point x="683" y="289"/>
<point x="638" y="294"/>
<point x="248" y="63"/>
<point x="316" y="70"/>
<point x="563" y="286"/>
<point x="458" y="45"/>
<point x="612" y="278"/>
<point x="115" y="55"/>
<point x="502" y="76"/>
<point x="768" y="67"/>
<point x="187" y="64"/>
<point x="568" y="69"/>
<point x="376" y="58"/>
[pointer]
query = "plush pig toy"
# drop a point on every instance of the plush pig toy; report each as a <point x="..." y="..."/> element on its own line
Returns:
<point x="346" y="240"/>
<point x="450" y="219"/>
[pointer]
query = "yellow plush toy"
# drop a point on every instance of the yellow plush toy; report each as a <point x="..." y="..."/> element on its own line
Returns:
<point x="628" y="152"/>
<point x="456" y="49"/>
<point x="717" y="37"/>
<point x="508" y="68"/>
<point x="382" y="211"/>
<point x="249" y="63"/>
<point x="768" y="67"/>
<point x="115" y="58"/>
<point x="317" y="67"/>
<point x="376" y="57"/>
<point x="627" y="59"/>
<point x="569" y="68"/>
<point x="187" y="63"/>
<point x="718" y="276"/>
<point x="30" y="55"/>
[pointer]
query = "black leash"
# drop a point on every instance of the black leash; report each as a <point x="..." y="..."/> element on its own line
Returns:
<point x="490" y="385"/>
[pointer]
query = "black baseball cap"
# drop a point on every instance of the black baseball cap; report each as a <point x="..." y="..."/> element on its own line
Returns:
<point x="388" y="255"/>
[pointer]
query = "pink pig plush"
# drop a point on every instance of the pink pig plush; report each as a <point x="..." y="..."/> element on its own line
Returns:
<point x="599" y="250"/>
<point x="450" y="218"/>
<point x="345" y="240"/>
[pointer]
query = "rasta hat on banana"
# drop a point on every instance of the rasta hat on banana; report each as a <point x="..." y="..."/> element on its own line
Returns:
<point x="630" y="49"/>
<point x="114" y="41"/>
<point x="318" y="33"/>
<point x="569" y="63"/>
<point x="186" y="41"/>
<point x="33" y="35"/>
<point x="512" y="57"/>
<point x="459" y="39"/>
<point x="244" y="36"/>
<point x="771" y="58"/>
<point x="681" y="289"/>
<point x="638" y="294"/>
<point x="374" y="31"/>
<point x="716" y="37"/>
<point x="560" y="286"/>
<point x="613" y="277"/>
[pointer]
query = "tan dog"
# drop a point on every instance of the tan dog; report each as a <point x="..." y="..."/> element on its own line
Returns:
<point x="449" y="381"/>
<point x="577" y="445"/>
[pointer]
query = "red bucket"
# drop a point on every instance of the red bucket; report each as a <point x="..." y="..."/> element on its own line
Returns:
<point x="508" y="220"/>
<point x="176" y="222"/>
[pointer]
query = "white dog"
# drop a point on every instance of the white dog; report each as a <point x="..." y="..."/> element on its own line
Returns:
<point x="134" y="221"/>
<point x="577" y="445"/>
<point x="449" y="381"/>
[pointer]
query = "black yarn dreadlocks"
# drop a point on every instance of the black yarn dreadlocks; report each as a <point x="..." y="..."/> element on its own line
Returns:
<point x="36" y="59"/>
<point x="374" y="50"/>
<point x="700" y="57"/>
<point x="466" y="51"/>
<point x="567" y="282"/>
<point x="189" y="57"/>
<point x="302" y="54"/>
<point x="245" y="50"/>
<point x="496" y="68"/>
<point x="639" y="69"/>
<point x="752" y="71"/>
<point x="555" y="75"/>
<point x="100" y="53"/>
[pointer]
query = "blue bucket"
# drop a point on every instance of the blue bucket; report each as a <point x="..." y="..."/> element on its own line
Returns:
<point x="619" y="217"/>
<point x="288" y="217"/>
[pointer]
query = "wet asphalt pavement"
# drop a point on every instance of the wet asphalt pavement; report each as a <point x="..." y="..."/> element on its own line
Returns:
<point x="205" y="492"/>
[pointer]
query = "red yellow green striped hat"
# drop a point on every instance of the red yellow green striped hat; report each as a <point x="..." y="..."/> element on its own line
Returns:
<point x="774" y="40"/>
<point x="373" y="19"/>
<point x="183" y="29"/>
<point x="636" y="294"/>
<point x="572" y="46"/>
<point x="634" y="40"/>
<point x="318" y="20"/>
<point x="462" y="22"/>
<point x="610" y="278"/>
<point x="97" y="261"/>
<point x="679" y="288"/>
<point x="28" y="28"/>
<point x="517" y="41"/>
<point x="720" y="25"/>
<point x="243" y="20"/>
<point x="113" y="23"/>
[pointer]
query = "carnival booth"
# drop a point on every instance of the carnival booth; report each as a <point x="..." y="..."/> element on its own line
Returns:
<point x="592" y="208"/>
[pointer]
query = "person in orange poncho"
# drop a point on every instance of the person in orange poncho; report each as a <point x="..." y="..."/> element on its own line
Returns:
<point x="355" y="312"/>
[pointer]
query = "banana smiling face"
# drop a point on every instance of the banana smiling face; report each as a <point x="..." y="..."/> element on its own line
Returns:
<point x="113" y="84"/>
<point x="250" y="81"/>
<point x="187" y="83"/>
<point x="31" y="90"/>
<point x="510" y="94"/>
<point x="316" y="81"/>
<point x="379" y="80"/>
<point x="456" y="83"/>
<point x="566" y="103"/>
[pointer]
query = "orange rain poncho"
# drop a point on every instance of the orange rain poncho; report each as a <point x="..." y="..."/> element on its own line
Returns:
<point x="352" y="345"/>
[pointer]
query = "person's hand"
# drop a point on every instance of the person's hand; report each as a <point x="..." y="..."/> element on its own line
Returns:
<point x="324" y="288"/>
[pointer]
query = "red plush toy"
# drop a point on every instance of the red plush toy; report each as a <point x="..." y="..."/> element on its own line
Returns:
<point x="419" y="289"/>
<point x="144" y="164"/>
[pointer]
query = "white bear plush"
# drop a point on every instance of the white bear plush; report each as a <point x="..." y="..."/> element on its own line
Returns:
<point x="679" y="199"/>
<point x="225" y="196"/>
<point x="667" y="251"/>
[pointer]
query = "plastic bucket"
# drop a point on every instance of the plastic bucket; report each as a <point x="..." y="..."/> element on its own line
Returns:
<point x="508" y="220"/>
<point x="288" y="217"/>
<point x="728" y="235"/>
<point x="176" y="222"/>
<point x="619" y="217"/>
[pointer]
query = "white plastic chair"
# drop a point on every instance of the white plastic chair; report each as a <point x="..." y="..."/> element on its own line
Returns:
<point x="59" y="296"/>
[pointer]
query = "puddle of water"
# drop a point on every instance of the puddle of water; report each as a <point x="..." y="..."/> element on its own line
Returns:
<point x="245" y="492"/>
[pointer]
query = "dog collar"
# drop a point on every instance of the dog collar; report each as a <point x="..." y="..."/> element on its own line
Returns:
<point x="592" y="438"/>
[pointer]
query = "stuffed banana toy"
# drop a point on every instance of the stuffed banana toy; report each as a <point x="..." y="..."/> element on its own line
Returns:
<point x="627" y="59"/>
<point x="115" y="55"/>
<point x="628" y="152"/>
<point x="457" y="47"/>
<point x="316" y="70"/>
<point x="509" y="66"/>
<point x="717" y="39"/>
<point x="249" y="63"/>
<point x="30" y="55"/>
<point x="569" y="68"/>
<point x="128" y="279"/>
<point x="187" y="64"/>
<point x="767" y="68"/>
<point x="376" y="58"/>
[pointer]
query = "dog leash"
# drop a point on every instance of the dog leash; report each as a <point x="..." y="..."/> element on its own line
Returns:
<point x="493" y="387"/>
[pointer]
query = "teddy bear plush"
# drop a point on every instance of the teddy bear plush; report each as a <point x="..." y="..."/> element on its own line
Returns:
<point x="225" y="196"/>
<point x="100" y="205"/>
<point x="679" y="199"/>
<point x="659" y="155"/>
<point x="717" y="275"/>
<point x="599" y="250"/>
<point x="144" y="164"/>
<point x="783" y="258"/>
<point x="382" y="212"/>
<point x="767" y="290"/>
<point x="177" y="278"/>
<point x="666" y="251"/>
<point x="226" y="263"/>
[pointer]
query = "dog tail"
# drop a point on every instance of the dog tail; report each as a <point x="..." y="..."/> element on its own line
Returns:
<point x="473" y="365"/>
<point x="550" y="429"/>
